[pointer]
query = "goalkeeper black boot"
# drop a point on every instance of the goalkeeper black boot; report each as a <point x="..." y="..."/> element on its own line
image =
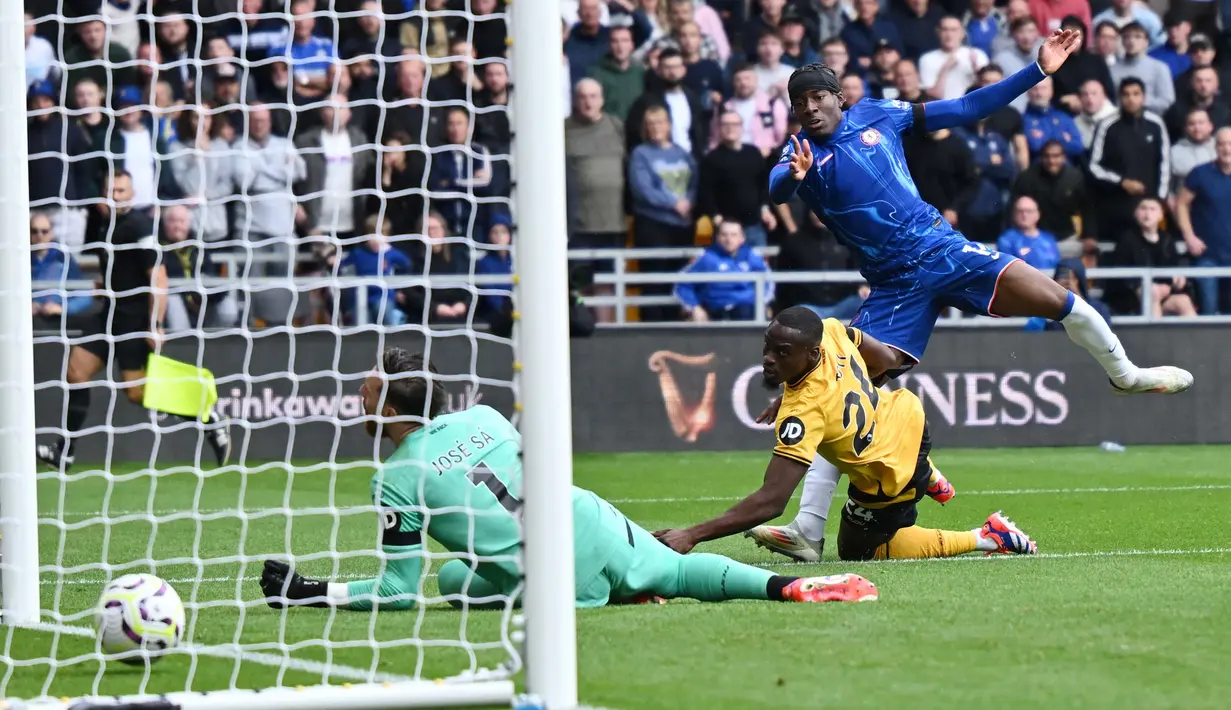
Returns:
<point x="54" y="457"/>
<point x="219" y="438"/>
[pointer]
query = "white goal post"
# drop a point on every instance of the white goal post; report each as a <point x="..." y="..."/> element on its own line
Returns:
<point x="541" y="635"/>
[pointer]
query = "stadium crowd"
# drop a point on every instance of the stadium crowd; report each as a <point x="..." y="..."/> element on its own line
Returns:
<point x="271" y="138"/>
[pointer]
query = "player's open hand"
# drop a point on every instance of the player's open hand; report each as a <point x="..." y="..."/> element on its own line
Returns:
<point x="1057" y="49"/>
<point x="801" y="159"/>
<point x="678" y="540"/>
<point x="771" y="412"/>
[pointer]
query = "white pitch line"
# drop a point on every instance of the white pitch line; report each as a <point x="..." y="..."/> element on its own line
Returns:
<point x="266" y="659"/>
<point x="1043" y="556"/>
<point x="649" y="501"/>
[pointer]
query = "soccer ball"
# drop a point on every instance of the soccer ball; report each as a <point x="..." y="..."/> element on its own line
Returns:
<point x="139" y="616"/>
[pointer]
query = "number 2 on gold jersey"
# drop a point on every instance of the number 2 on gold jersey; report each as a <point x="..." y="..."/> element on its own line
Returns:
<point x="856" y="400"/>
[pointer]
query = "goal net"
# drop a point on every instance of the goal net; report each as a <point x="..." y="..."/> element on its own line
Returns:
<point x="317" y="181"/>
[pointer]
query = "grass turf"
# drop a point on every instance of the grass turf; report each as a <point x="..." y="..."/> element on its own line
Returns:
<point x="1128" y="605"/>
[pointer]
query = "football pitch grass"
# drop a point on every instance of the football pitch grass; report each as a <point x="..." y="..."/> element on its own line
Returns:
<point x="1128" y="604"/>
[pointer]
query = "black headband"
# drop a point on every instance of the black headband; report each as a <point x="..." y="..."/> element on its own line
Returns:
<point x="820" y="79"/>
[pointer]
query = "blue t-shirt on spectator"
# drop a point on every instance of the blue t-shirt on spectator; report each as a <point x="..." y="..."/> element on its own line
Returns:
<point x="1211" y="210"/>
<point x="50" y="262"/>
<point x="1178" y="63"/>
<point x="1045" y="124"/>
<point x="981" y="32"/>
<point x="311" y="59"/>
<point x="1039" y="251"/>
<point x="723" y="295"/>
<point x="366" y="262"/>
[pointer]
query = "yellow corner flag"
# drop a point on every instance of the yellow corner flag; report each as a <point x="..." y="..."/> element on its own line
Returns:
<point x="176" y="387"/>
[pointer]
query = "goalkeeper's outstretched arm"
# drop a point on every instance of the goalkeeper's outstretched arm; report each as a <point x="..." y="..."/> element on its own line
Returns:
<point x="396" y="589"/>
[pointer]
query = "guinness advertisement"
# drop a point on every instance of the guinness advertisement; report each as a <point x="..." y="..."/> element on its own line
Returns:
<point x="655" y="390"/>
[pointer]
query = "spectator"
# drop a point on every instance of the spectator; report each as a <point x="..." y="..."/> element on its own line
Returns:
<point x="187" y="307"/>
<point x="1201" y="53"/>
<point x="1082" y="66"/>
<point x="882" y="74"/>
<point x="41" y="61"/>
<point x="993" y="158"/>
<point x="983" y="22"/>
<point x="409" y="113"/>
<point x="251" y="36"/>
<point x="1025" y="50"/>
<point x="1203" y="213"/>
<point x="51" y="262"/>
<point x="835" y="55"/>
<point x="142" y="152"/>
<point x="1049" y="14"/>
<point x="831" y="17"/>
<point x="102" y="138"/>
<point x="1195" y="148"/>
<point x="916" y="21"/>
<point x="203" y="166"/>
<point x="1175" y="52"/>
<point x="489" y="32"/>
<point x="723" y="300"/>
<point x="772" y="74"/>
<point x="178" y="67"/>
<point x="1150" y="244"/>
<point x="446" y="301"/>
<point x="398" y="188"/>
<point x="492" y="127"/>
<point x="1095" y="108"/>
<point x="1129" y="158"/>
<point x="587" y="40"/>
<point x="1204" y="95"/>
<point x="427" y="34"/>
<point x="734" y="183"/>
<point x="594" y="163"/>
<point x="767" y="22"/>
<point x="796" y="49"/>
<point x="375" y="40"/>
<point x="681" y="14"/>
<point x="764" y="119"/>
<point x="1044" y="123"/>
<point x="498" y="261"/>
<point x="663" y="180"/>
<point x="621" y="79"/>
<point x="1071" y="274"/>
<point x="708" y="20"/>
<point x="464" y="167"/>
<point x="1107" y="44"/>
<point x="650" y="22"/>
<point x="1059" y="190"/>
<point x="1026" y="241"/>
<point x="106" y="64"/>
<point x="338" y="164"/>
<point x="1014" y="10"/>
<point x="1123" y="13"/>
<point x="1154" y="75"/>
<point x="689" y="122"/>
<point x="461" y="82"/>
<point x="375" y="258"/>
<point x="703" y="76"/>
<point x="866" y="32"/>
<point x="906" y="81"/>
<point x="851" y="85"/>
<point x="948" y="71"/>
<point x="1005" y="121"/>
<point x="944" y="170"/>
<point x="121" y="18"/>
<point x="311" y="60"/>
<point x="266" y="166"/>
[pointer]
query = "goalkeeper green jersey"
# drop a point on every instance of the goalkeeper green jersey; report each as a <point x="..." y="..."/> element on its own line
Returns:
<point x="458" y="479"/>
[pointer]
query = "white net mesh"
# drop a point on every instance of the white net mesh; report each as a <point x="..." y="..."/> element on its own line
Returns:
<point x="317" y="180"/>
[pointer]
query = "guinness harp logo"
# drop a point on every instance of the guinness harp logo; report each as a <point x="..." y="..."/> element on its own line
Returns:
<point x="688" y="416"/>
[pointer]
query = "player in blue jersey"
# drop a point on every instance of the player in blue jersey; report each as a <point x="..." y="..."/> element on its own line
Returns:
<point x="457" y="478"/>
<point x="850" y="170"/>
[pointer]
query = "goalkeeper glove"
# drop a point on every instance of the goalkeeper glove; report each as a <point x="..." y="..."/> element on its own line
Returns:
<point x="283" y="586"/>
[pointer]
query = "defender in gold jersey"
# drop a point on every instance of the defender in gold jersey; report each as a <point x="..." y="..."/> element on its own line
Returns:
<point x="878" y="438"/>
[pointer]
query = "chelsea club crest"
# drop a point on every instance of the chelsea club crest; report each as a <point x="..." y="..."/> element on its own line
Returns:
<point x="870" y="137"/>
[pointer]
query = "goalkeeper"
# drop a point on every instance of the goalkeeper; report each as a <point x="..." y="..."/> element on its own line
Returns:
<point x="458" y="479"/>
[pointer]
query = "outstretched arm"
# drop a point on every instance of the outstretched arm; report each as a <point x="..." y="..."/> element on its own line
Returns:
<point x="782" y="477"/>
<point x="791" y="169"/>
<point x="396" y="589"/>
<point x="984" y="102"/>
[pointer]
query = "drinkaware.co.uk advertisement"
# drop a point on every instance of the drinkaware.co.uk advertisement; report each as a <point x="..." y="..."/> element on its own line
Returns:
<point x="656" y="390"/>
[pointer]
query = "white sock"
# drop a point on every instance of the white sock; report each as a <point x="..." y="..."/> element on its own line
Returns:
<point x="819" y="486"/>
<point x="1088" y="329"/>
<point x="986" y="544"/>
